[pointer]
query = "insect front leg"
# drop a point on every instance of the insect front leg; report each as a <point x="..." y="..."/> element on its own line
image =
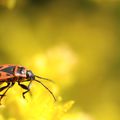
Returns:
<point x="27" y="88"/>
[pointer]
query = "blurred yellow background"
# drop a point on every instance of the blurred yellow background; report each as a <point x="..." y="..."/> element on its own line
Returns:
<point x="74" y="42"/>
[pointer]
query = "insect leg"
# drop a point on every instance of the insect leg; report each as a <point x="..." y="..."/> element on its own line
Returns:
<point x="4" y="87"/>
<point x="27" y="88"/>
<point x="8" y="86"/>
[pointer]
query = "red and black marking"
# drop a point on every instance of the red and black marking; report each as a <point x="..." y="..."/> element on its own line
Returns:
<point x="15" y="73"/>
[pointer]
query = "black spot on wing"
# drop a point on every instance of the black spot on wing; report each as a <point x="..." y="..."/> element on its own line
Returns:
<point x="9" y="70"/>
<point x="1" y="66"/>
<point x="8" y="74"/>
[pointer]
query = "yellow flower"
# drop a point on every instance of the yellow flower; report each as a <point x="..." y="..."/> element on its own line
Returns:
<point x="41" y="105"/>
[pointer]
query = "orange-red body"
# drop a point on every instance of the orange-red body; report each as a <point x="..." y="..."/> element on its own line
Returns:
<point x="11" y="73"/>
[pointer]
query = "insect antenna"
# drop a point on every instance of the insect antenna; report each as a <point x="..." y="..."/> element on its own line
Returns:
<point x="46" y="88"/>
<point x="45" y="79"/>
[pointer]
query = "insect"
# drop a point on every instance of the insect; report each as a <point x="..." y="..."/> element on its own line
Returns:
<point x="11" y="74"/>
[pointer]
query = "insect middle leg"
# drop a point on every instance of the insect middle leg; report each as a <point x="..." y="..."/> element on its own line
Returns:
<point x="27" y="88"/>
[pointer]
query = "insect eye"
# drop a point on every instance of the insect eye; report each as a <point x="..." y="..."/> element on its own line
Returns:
<point x="30" y="74"/>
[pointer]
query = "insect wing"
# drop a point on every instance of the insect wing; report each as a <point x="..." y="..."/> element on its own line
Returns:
<point x="6" y="71"/>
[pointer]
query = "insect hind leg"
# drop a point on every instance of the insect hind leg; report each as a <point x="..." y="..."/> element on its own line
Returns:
<point x="4" y="87"/>
<point x="9" y="85"/>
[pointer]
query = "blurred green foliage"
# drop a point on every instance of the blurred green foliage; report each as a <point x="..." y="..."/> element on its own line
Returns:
<point x="91" y="31"/>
